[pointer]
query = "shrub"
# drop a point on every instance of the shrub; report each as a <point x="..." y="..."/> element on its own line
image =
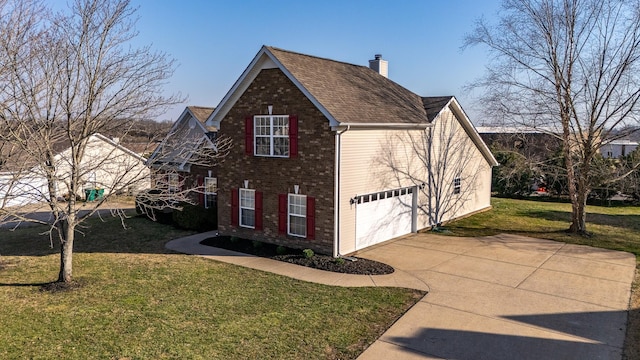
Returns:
<point x="257" y="244"/>
<point x="281" y="250"/>
<point x="193" y="217"/>
<point x="339" y="261"/>
<point x="308" y="253"/>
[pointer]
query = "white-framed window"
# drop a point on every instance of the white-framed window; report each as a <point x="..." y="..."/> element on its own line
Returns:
<point x="457" y="185"/>
<point x="210" y="191"/>
<point x="173" y="183"/>
<point x="271" y="135"/>
<point x="247" y="199"/>
<point x="297" y="215"/>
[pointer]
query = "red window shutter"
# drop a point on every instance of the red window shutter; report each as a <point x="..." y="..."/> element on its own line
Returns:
<point x="258" y="211"/>
<point x="235" y="207"/>
<point x="311" y="217"/>
<point x="293" y="136"/>
<point x="201" y="189"/>
<point x="248" y="135"/>
<point x="282" y="213"/>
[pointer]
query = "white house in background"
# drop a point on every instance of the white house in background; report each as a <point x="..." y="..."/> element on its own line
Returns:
<point x="618" y="148"/>
<point x="106" y="165"/>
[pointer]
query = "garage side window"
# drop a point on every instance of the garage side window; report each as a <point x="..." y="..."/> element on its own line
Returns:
<point x="457" y="185"/>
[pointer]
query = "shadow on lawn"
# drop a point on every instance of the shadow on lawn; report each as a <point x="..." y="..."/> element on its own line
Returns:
<point x="141" y="236"/>
<point x="631" y="222"/>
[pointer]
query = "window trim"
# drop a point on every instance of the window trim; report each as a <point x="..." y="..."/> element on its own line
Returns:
<point x="303" y="216"/>
<point x="271" y="136"/>
<point x="240" y="207"/>
<point x="173" y="183"/>
<point x="207" y="194"/>
<point x="457" y="185"/>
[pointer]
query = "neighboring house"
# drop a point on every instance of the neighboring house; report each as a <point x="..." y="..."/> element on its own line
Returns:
<point x="618" y="148"/>
<point x="106" y="166"/>
<point x="177" y="163"/>
<point x="532" y="143"/>
<point x="308" y="132"/>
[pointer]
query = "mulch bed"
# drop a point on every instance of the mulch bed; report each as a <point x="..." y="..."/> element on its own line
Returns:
<point x="351" y="265"/>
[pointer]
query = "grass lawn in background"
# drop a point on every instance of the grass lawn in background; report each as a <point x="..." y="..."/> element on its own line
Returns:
<point x="136" y="300"/>
<point x="616" y="228"/>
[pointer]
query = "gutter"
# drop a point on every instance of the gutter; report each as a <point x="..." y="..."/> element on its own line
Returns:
<point x="336" y="195"/>
<point x="386" y="125"/>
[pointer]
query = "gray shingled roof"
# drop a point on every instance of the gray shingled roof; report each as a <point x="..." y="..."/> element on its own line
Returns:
<point x="434" y="104"/>
<point x="201" y="113"/>
<point x="356" y="94"/>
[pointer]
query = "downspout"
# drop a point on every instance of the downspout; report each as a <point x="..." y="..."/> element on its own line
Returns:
<point x="336" y="195"/>
<point x="429" y="175"/>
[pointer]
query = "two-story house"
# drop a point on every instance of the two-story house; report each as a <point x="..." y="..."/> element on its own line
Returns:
<point x="309" y="134"/>
<point x="177" y="163"/>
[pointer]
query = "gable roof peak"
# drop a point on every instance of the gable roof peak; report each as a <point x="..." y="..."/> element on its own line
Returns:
<point x="201" y="113"/>
<point x="273" y="49"/>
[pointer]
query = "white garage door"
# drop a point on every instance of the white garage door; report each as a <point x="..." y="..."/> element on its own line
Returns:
<point x="382" y="216"/>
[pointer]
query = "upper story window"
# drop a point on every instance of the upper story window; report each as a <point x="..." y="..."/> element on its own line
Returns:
<point x="271" y="134"/>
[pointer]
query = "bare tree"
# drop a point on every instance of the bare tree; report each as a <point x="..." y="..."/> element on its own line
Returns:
<point x="569" y="68"/>
<point x="184" y="147"/>
<point x="442" y="162"/>
<point x="67" y="78"/>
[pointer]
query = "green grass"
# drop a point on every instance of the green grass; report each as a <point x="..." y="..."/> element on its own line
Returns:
<point x="137" y="300"/>
<point x="616" y="228"/>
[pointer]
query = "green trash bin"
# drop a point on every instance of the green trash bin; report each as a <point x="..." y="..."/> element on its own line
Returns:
<point x="90" y="194"/>
<point x="100" y="193"/>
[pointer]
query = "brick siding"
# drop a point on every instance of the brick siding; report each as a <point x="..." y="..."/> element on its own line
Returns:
<point x="312" y="169"/>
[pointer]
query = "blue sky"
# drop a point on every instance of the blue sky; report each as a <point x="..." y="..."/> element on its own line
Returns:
<point x="214" y="41"/>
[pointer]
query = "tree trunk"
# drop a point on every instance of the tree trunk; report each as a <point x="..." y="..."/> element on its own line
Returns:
<point x="579" y="214"/>
<point x="66" y="252"/>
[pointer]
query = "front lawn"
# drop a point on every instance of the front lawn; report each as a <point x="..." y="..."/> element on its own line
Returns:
<point x="616" y="228"/>
<point x="137" y="300"/>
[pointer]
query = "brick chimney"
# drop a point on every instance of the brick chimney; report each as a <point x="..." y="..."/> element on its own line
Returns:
<point x="380" y="66"/>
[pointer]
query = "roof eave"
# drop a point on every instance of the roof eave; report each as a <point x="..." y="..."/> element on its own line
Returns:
<point x="420" y="126"/>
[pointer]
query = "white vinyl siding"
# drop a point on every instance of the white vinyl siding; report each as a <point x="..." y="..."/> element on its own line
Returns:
<point x="362" y="171"/>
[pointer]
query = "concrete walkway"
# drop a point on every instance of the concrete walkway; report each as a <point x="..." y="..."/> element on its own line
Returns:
<point x="499" y="297"/>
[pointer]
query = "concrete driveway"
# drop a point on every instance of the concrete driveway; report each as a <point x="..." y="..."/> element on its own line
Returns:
<point x="507" y="297"/>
